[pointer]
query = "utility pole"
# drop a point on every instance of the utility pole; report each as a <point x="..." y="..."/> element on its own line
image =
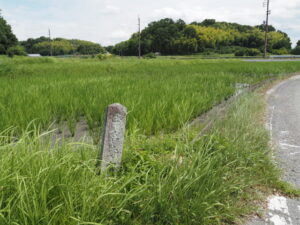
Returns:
<point x="139" y="24"/>
<point x="267" y="4"/>
<point x="51" y="49"/>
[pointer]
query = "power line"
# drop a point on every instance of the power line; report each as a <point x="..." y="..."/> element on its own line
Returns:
<point x="268" y="12"/>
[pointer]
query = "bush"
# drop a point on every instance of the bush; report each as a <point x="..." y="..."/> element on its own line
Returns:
<point x="252" y="52"/>
<point x="87" y="48"/>
<point x="282" y="51"/>
<point x="208" y="52"/>
<point x="247" y="52"/>
<point x="150" y="55"/>
<point x="228" y="49"/>
<point x="16" y="50"/>
<point x="104" y="56"/>
<point x="241" y="52"/>
<point x="55" y="48"/>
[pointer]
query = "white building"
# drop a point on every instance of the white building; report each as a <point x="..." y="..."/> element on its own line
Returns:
<point x="34" y="55"/>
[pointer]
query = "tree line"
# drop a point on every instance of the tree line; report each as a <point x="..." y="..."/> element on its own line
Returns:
<point x="166" y="36"/>
<point x="170" y="37"/>
<point x="7" y="38"/>
<point x="61" y="46"/>
<point x="296" y="50"/>
<point x="10" y="45"/>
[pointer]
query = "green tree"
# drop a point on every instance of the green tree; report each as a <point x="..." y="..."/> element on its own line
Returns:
<point x="88" y="48"/>
<point x="162" y="33"/>
<point x="62" y="46"/>
<point x="252" y="52"/>
<point x="279" y="41"/>
<point x="262" y="27"/>
<point x="29" y="43"/>
<point x="16" y="50"/>
<point x="185" y="46"/>
<point x="190" y="32"/>
<point x="208" y="22"/>
<point x="57" y="48"/>
<point x="109" y="48"/>
<point x="296" y="50"/>
<point x="176" y="37"/>
<point x="7" y="38"/>
<point x="254" y="39"/>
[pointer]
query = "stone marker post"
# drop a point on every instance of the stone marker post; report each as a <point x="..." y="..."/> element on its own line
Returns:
<point x="112" y="137"/>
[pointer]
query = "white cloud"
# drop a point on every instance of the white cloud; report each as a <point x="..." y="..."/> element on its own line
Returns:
<point x="120" y="34"/>
<point x="109" y="9"/>
<point x="168" y="12"/>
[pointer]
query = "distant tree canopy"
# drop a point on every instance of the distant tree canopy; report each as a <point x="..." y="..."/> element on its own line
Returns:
<point x="61" y="46"/>
<point x="7" y="38"/>
<point x="16" y="50"/>
<point x="296" y="50"/>
<point x="28" y="45"/>
<point x="176" y="37"/>
<point x="262" y="27"/>
<point x="109" y="48"/>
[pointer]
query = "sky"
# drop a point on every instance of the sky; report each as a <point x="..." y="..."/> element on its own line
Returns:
<point x="110" y="21"/>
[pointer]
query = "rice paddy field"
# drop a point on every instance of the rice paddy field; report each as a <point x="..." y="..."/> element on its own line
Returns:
<point x="166" y="178"/>
<point x="161" y="95"/>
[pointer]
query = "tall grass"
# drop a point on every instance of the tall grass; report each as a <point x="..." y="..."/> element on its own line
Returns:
<point x="161" y="95"/>
<point x="164" y="180"/>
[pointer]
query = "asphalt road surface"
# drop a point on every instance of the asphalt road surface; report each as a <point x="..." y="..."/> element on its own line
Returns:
<point x="271" y="60"/>
<point x="284" y="126"/>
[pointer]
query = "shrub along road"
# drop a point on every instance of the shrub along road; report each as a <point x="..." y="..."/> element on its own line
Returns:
<point x="284" y="124"/>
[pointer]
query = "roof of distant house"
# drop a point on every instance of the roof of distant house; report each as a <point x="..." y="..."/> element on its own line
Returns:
<point x="34" y="55"/>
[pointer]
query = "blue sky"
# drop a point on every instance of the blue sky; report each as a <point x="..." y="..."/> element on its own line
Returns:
<point x="110" y="21"/>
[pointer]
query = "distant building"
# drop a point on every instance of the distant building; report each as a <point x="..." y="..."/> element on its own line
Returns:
<point x="34" y="55"/>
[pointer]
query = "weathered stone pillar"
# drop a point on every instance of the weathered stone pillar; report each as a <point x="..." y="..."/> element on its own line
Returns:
<point x="112" y="137"/>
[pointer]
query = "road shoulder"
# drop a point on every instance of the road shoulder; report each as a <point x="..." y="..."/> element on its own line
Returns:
<point x="283" y="113"/>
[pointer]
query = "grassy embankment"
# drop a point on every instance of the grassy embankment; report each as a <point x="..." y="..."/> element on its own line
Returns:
<point x="166" y="178"/>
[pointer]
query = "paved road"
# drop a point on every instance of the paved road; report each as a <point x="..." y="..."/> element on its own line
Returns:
<point x="284" y="125"/>
<point x="271" y="60"/>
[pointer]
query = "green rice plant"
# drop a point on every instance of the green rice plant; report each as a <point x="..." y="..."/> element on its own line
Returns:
<point x="161" y="95"/>
<point x="167" y="179"/>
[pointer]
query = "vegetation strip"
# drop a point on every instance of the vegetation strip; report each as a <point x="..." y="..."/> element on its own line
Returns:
<point x="209" y="181"/>
<point x="218" y="112"/>
<point x="166" y="177"/>
<point x="64" y="90"/>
